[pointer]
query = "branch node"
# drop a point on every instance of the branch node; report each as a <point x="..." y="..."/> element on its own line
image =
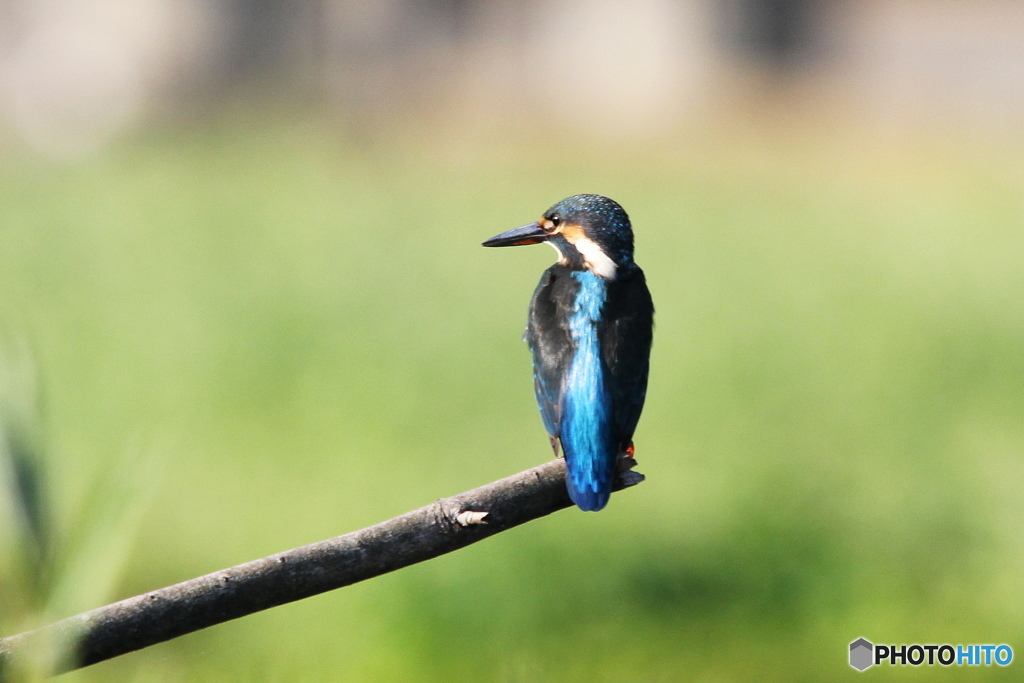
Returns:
<point x="467" y="517"/>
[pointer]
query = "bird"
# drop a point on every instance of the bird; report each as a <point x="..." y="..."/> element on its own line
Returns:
<point x="589" y="328"/>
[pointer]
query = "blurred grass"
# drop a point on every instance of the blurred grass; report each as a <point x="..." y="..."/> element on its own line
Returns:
<point x="308" y="325"/>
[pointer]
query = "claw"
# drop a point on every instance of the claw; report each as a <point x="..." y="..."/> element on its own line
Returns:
<point x="625" y="461"/>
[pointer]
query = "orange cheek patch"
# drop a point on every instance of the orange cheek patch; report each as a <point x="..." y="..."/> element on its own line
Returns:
<point x="571" y="232"/>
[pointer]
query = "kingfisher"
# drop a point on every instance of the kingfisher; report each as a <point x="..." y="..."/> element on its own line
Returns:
<point x="589" y="329"/>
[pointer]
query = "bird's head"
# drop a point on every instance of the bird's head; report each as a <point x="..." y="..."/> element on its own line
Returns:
<point x="587" y="230"/>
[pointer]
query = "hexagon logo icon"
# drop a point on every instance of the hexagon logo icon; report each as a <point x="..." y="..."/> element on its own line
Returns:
<point x="861" y="654"/>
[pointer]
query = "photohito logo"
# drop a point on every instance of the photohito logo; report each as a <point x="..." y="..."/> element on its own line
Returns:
<point x="865" y="654"/>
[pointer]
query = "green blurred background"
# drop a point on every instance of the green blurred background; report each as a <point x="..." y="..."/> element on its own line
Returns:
<point x="254" y="314"/>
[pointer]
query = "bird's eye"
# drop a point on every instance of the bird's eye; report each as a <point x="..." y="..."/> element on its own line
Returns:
<point x="551" y="223"/>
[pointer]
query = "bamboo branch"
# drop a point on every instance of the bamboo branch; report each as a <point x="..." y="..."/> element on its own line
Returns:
<point x="445" y="525"/>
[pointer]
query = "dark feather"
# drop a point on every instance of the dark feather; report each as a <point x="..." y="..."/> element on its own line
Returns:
<point x="625" y="347"/>
<point x="547" y="334"/>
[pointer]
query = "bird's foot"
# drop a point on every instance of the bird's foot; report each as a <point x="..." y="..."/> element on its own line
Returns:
<point x="626" y="461"/>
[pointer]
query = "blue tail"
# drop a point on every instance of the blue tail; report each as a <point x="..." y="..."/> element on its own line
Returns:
<point x="589" y="449"/>
<point x="589" y="490"/>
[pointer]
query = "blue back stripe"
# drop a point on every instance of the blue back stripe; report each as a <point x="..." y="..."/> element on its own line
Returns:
<point x="586" y="416"/>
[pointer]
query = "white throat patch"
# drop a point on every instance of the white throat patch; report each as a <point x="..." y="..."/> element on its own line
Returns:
<point x="595" y="258"/>
<point x="561" y="256"/>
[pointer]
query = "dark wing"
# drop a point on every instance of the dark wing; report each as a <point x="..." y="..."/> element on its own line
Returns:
<point x="547" y="333"/>
<point x="626" y="349"/>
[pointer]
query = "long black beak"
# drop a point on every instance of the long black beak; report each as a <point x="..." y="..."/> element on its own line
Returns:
<point x="528" y="234"/>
